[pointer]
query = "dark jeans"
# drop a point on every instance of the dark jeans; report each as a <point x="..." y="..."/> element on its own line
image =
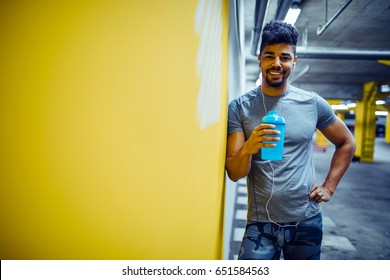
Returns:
<point x="266" y="241"/>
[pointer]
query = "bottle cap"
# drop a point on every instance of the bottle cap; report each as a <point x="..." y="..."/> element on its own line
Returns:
<point x="273" y="117"/>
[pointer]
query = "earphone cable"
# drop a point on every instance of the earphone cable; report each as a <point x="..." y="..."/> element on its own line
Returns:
<point x="273" y="173"/>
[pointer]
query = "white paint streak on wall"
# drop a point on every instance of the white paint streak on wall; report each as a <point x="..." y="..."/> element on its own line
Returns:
<point x="208" y="26"/>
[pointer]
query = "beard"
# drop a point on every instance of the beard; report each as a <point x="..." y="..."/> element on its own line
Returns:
<point x="277" y="83"/>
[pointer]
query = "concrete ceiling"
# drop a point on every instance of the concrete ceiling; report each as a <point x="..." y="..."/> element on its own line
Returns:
<point x="339" y="61"/>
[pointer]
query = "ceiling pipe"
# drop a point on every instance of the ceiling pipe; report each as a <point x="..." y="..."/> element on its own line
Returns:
<point x="300" y="74"/>
<point x="260" y="9"/>
<point x="282" y="10"/>
<point x="321" y="29"/>
<point x="326" y="53"/>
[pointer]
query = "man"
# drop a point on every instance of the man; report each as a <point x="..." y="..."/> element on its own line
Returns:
<point x="283" y="200"/>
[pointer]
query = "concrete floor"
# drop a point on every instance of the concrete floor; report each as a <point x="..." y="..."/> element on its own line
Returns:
<point x="357" y="219"/>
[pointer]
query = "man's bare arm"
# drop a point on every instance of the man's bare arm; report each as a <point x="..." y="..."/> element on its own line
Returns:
<point x="239" y="151"/>
<point x="341" y="137"/>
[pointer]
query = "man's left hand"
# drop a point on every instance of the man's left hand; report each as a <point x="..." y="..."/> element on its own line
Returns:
<point x="320" y="194"/>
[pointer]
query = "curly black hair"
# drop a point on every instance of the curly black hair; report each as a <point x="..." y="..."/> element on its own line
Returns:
<point x="276" y="32"/>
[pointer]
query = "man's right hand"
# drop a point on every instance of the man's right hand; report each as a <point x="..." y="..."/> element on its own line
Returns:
<point x="239" y="151"/>
<point x="261" y="133"/>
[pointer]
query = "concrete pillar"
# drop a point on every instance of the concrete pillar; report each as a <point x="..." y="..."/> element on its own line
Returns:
<point x="365" y="124"/>
<point x="387" y="132"/>
<point x="321" y="143"/>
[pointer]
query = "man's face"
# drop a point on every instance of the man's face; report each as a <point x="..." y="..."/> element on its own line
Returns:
<point x="276" y="62"/>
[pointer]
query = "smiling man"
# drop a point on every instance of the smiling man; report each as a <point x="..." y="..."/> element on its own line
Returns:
<point x="283" y="198"/>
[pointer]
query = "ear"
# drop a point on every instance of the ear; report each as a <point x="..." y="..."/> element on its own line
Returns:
<point x="295" y="61"/>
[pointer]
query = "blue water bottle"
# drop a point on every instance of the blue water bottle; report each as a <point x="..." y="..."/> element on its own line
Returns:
<point x="274" y="153"/>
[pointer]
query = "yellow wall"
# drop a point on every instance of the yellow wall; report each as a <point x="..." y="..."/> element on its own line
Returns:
<point x="102" y="151"/>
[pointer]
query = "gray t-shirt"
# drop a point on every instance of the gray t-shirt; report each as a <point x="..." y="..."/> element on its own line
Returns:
<point x="288" y="181"/>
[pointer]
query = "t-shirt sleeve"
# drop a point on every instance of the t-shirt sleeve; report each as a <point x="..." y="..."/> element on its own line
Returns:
<point x="326" y="116"/>
<point x="234" y="119"/>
